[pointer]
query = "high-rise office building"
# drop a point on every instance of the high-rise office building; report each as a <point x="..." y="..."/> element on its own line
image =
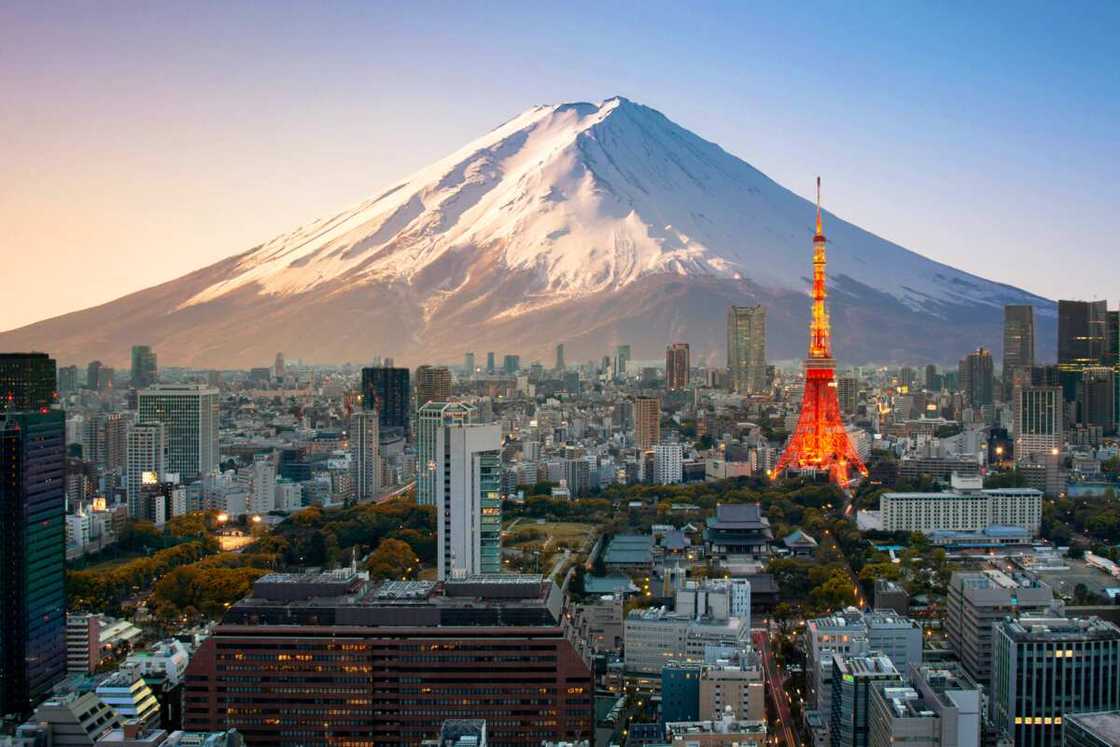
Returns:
<point x="433" y="384"/>
<point x="933" y="380"/>
<point x="93" y="374"/>
<point x="146" y="461"/>
<point x="468" y="364"/>
<point x="854" y="679"/>
<point x="1037" y="420"/>
<point x="279" y="367"/>
<point x="560" y="364"/>
<point x="461" y="469"/>
<point x="262" y="498"/>
<point x="647" y="422"/>
<point x="32" y="542"/>
<point x="621" y="361"/>
<point x="977" y="378"/>
<point x="1096" y="398"/>
<point x="511" y="364"/>
<point x="189" y="414"/>
<point x="746" y="349"/>
<point x="386" y="390"/>
<point x="1082" y="341"/>
<point x="1045" y="669"/>
<point x="1018" y="342"/>
<point x="27" y="381"/>
<point x="847" y="390"/>
<point x="490" y="364"/>
<point x="67" y="379"/>
<point x="144" y="371"/>
<point x="676" y="366"/>
<point x="976" y="601"/>
<point x="104" y="440"/>
<point x="365" y="457"/>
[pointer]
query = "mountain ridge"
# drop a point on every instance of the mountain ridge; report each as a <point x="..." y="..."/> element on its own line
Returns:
<point x="558" y="207"/>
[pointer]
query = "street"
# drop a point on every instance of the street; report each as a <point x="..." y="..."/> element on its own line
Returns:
<point x="776" y="688"/>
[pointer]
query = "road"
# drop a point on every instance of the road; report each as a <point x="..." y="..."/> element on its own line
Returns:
<point x="777" y="689"/>
<point x="861" y="601"/>
<point x="396" y="493"/>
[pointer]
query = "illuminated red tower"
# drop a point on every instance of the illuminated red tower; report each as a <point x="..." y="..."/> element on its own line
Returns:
<point x="820" y="441"/>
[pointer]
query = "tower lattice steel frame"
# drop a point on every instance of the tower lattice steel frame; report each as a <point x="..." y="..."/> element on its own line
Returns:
<point x="820" y="441"/>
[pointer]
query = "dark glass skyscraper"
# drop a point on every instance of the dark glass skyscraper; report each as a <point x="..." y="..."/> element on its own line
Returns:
<point x="144" y="369"/>
<point x="976" y="378"/>
<point x="32" y="538"/>
<point x="27" y="381"/>
<point x="1018" y="342"/>
<point x="387" y="391"/>
<point x="1082" y="341"/>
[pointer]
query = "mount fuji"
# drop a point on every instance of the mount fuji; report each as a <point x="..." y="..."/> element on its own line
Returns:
<point x="587" y="224"/>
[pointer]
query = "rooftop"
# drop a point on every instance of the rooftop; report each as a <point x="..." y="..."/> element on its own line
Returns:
<point x="1105" y="724"/>
<point x="345" y="598"/>
<point x="1041" y="629"/>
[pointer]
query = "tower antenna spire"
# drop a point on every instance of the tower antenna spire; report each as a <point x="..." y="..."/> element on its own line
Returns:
<point x="820" y="228"/>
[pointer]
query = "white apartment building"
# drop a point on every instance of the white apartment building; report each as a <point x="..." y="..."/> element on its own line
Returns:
<point x="145" y="461"/>
<point x="962" y="511"/>
<point x="667" y="464"/>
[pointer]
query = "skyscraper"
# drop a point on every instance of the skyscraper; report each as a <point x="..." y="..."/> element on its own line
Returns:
<point x="189" y="414"/>
<point x="621" y="361"/>
<point x="93" y="374"/>
<point x="365" y="461"/>
<point x="1044" y="669"/>
<point x="146" y="461"/>
<point x="647" y="422"/>
<point x="490" y="366"/>
<point x="468" y="364"/>
<point x="387" y="391"/>
<point x="1082" y="341"/>
<point x="1114" y="336"/>
<point x="1018" y="342"/>
<point x="27" y="381"/>
<point x="144" y="371"/>
<point x="1037" y="420"/>
<point x="431" y="418"/>
<point x="279" y="366"/>
<point x="676" y="366"/>
<point x="67" y="379"/>
<point x="32" y="535"/>
<point x="746" y="349"/>
<point x="433" y="384"/>
<point x="1096" y="404"/>
<point x="560" y="366"/>
<point x="977" y="379"/>
<point x="463" y="475"/>
<point x="511" y="364"/>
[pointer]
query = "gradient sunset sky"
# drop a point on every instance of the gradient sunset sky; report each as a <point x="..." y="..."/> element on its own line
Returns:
<point x="142" y="140"/>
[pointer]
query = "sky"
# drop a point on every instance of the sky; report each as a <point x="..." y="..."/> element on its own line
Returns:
<point x="140" y="141"/>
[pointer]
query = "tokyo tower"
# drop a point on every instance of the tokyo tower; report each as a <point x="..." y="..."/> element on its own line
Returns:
<point x="820" y="441"/>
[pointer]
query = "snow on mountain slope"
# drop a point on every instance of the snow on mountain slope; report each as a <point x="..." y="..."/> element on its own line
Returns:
<point x="588" y="224"/>
<point x="589" y="198"/>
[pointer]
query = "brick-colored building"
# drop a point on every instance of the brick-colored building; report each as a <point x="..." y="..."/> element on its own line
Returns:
<point x="332" y="659"/>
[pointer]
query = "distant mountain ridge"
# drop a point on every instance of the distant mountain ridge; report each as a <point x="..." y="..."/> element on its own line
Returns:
<point x="588" y="224"/>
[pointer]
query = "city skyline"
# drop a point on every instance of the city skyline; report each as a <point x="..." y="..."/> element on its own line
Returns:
<point x="591" y="431"/>
<point x="183" y="179"/>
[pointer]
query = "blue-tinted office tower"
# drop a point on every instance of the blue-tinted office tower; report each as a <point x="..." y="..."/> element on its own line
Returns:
<point x="680" y="693"/>
<point x="32" y="552"/>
